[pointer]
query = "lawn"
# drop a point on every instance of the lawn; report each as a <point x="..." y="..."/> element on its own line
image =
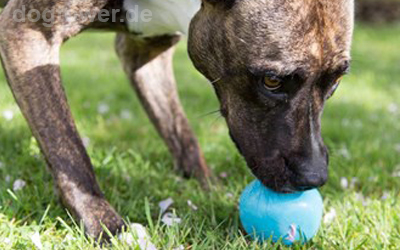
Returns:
<point x="360" y="127"/>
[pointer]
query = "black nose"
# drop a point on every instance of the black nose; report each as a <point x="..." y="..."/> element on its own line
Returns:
<point x="312" y="172"/>
<point x="307" y="181"/>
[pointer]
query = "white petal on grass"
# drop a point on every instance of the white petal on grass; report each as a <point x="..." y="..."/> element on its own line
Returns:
<point x="359" y="196"/>
<point x="8" y="178"/>
<point x="146" y="245"/>
<point x="181" y="247"/>
<point x="223" y="175"/>
<point x="373" y="178"/>
<point x="127" y="238"/>
<point x="344" y="152"/>
<point x="139" y="230"/>
<point x="346" y="122"/>
<point x="292" y="233"/>
<point x="178" y="179"/>
<point x="19" y="185"/>
<point x="366" y="202"/>
<point x="69" y="238"/>
<point x="330" y="216"/>
<point x="344" y="183"/>
<point x="229" y="195"/>
<point x="393" y="108"/>
<point x="35" y="238"/>
<point x="7" y="241"/>
<point x="396" y="173"/>
<point x="385" y="195"/>
<point x="165" y="204"/>
<point x="126" y="114"/>
<point x="103" y="108"/>
<point x="397" y="148"/>
<point x="170" y="219"/>
<point x="143" y="238"/>
<point x="192" y="205"/>
<point x="8" y="115"/>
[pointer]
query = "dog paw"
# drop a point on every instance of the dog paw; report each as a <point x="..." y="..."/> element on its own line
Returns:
<point x="99" y="215"/>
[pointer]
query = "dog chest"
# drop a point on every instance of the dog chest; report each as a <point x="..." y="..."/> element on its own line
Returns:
<point x="160" y="17"/>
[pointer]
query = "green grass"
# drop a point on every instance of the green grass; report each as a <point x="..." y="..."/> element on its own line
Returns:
<point x="360" y="127"/>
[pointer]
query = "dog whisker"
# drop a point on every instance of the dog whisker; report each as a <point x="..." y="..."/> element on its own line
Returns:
<point x="216" y="80"/>
<point x="216" y="119"/>
<point x="218" y="111"/>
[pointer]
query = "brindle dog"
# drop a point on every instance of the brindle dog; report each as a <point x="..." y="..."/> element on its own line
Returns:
<point x="273" y="65"/>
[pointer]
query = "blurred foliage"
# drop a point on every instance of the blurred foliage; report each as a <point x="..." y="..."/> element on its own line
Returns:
<point x="378" y="11"/>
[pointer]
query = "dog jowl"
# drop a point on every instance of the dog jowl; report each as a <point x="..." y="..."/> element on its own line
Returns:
<point x="273" y="65"/>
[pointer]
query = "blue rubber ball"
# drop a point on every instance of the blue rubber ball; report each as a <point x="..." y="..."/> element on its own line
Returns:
<point x="266" y="214"/>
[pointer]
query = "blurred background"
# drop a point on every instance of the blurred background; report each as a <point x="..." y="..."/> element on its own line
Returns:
<point x="378" y="11"/>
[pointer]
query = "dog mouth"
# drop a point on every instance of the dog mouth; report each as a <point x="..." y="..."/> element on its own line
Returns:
<point x="273" y="174"/>
<point x="284" y="181"/>
<point x="287" y="188"/>
<point x="277" y="175"/>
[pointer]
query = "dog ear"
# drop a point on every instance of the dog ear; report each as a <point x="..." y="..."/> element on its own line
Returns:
<point x="226" y="3"/>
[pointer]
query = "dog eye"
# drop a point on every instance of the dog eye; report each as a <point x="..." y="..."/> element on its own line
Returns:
<point x="271" y="83"/>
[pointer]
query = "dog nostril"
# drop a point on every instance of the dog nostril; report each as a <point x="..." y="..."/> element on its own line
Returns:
<point x="310" y="181"/>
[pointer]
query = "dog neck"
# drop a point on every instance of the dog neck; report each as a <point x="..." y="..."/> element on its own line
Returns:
<point x="167" y="16"/>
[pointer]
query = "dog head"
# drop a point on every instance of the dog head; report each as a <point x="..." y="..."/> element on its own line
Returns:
<point x="273" y="64"/>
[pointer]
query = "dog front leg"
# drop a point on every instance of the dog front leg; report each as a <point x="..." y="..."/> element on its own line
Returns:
<point x="148" y="64"/>
<point x="30" y="55"/>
